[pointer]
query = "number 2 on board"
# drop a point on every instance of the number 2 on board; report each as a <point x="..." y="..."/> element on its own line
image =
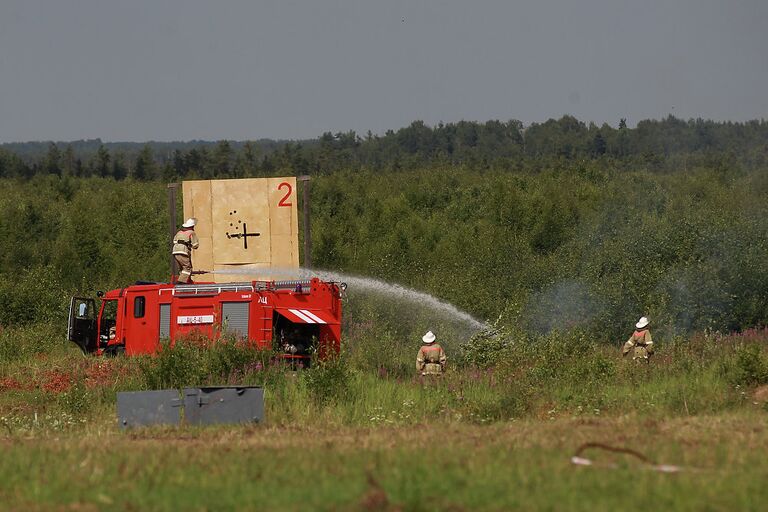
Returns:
<point x="283" y="201"/>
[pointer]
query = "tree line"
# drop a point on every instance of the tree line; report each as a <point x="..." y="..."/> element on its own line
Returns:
<point x="655" y="145"/>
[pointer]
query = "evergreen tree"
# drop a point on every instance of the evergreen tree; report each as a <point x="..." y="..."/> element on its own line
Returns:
<point x="179" y="163"/>
<point x="79" y="167"/>
<point x="622" y="142"/>
<point x="68" y="161"/>
<point x="598" y="145"/>
<point x="250" y="159"/>
<point x="103" y="168"/>
<point x="144" y="168"/>
<point x="167" y="172"/>
<point x="52" y="160"/>
<point x="119" y="171"/>
<point x="222" y="159"/>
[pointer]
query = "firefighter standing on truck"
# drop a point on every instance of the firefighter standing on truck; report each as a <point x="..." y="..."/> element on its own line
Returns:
<point x="183" y="243"/>
<point x="431" y="357"/>
<point x="641" y="341"/>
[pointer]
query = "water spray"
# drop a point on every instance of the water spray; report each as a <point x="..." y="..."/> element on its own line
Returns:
<point x="365" y="283"/>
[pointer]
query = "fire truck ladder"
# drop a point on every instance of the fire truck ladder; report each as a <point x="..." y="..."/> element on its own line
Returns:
<point x="211" y="289"/>
<point x="295" y="285"/>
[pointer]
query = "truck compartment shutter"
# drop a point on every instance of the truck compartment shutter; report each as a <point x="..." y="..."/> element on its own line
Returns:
<point x="307" y="316"/>
<point x="235" y="318"/>
<point x="165" y="321"/>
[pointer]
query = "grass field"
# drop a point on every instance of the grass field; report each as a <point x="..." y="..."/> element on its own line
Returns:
<point x="362" y="433"/>
<point x="450" y="466"/>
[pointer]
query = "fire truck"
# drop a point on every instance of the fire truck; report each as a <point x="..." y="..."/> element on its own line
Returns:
<point x="293" y="317"/>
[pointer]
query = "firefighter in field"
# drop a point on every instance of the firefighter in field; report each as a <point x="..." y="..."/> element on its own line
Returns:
<point x="431" y="357"/>
<point x="183" y="243"/>
<point x="640" y="341"/>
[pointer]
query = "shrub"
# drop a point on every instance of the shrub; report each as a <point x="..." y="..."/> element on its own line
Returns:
<point x="329" y="380"/>
<point x="485" y="348"/>
<point x="232" y="359"/>
<point x="174" y="366"/>
<point x="201" y="362"/>
<point x="34" y="295"/>
<point x="748" y="366"/>
<point x="20" y="342"/>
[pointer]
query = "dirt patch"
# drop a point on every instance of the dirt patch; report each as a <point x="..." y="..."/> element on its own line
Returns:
<point x="761" y="394"/>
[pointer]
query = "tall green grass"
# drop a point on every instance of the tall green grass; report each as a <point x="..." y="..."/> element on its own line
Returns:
<point x="490" y="378"/>
<point x="361" y="430"/>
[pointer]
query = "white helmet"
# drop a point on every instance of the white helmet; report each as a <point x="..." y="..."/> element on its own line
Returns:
<point x="190" y="223"/>
<point x="428" y="338"/>
<point x="642" y="322"/>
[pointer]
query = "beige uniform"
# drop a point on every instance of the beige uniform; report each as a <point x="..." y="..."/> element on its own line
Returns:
<point x="183" y="243"/>
<point x="431" y="360"/>
<point x="642" y="343"/>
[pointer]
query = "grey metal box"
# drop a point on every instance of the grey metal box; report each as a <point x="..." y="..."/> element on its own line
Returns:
<point x="227" y="404"/>
<point x="141" y="408"/>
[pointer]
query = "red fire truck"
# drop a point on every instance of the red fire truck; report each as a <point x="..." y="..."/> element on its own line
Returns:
<point x="294" y="317"/>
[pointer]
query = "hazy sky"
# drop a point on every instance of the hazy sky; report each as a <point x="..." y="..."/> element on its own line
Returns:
<point x="137" y="70"/>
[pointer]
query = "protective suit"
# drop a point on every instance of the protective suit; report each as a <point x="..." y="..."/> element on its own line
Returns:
<point x="431" y="358"/>
<point x="183" y="242"/>
<point x="641" y="342"/>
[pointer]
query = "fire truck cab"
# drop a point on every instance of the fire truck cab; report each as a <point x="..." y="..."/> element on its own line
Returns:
<point x="293" y="317"/>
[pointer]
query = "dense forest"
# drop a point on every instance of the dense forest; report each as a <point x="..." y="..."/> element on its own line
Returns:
<point x="666" y="145"/>
<point x="554" y="226"/>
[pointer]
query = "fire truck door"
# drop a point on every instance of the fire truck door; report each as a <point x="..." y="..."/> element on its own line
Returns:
<point x="81" y="328"/>
<point x="142" y="336"/>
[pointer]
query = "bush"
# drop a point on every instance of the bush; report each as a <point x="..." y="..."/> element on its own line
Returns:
<point x="191" y="362"/>
<point x="174" y="366"/>
<point x="231" y="360"/>
<point x="486" y="348"/>
<point x="34" y="295"/>
<point x="329" y="380"/>
<point x="748" y="366"/>
<point x="21" y="342"/>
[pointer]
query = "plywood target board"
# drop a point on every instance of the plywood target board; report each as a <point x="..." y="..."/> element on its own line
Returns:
<point x="243" y="225"/>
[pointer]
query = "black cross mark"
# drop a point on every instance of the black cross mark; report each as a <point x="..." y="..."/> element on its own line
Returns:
<point x="244" y="235"/>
